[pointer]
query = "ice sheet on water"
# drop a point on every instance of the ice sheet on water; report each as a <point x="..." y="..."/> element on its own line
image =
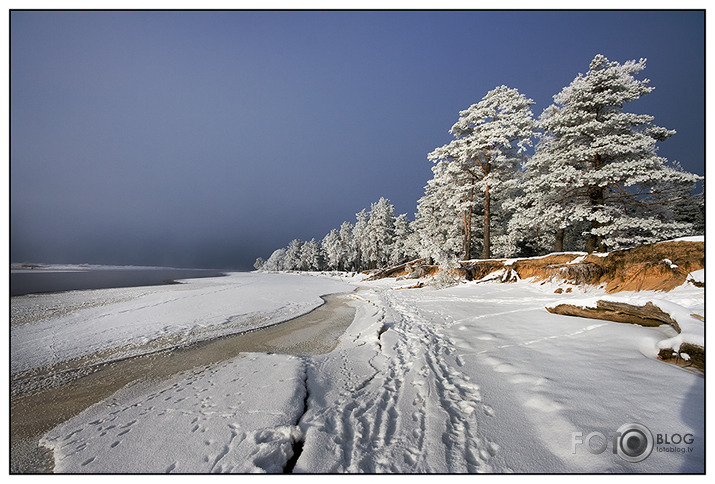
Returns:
<point x="164" y="316"/>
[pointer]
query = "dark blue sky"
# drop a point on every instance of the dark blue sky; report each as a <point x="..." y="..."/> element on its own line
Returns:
<point x="207" y="139"/>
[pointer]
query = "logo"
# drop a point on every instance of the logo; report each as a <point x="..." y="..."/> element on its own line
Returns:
<point x="634" y="443"/>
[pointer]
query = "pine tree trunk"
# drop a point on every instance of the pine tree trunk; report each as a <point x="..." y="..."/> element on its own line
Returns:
<point x="467" y="241"/>
<point x="595" y="242"/>
<point x="597" y="198"/>
<point x="467" y="234"/>
<point x="559" y="241"/>
<point x="486" y="253"/>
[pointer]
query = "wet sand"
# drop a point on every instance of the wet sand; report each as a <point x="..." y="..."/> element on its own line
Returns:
<point x="32" y="415"/>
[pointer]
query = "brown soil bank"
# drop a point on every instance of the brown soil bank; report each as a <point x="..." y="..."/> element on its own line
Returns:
<point x="656" y="267"/>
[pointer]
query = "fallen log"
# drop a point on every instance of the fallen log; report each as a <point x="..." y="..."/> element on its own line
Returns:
<point x="647" y="315"/>
<point x="688" y="356"/>
<point x="419" y="285"/>
<point x="412" y="267"/>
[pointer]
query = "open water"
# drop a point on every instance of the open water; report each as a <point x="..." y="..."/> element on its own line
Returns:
<point x="41" y="280"/>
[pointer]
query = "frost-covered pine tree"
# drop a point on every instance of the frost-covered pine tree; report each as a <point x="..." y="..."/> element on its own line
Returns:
<point x="311" y="256"/>
<point x="401" y="245"/>
<point x="379" y="233"/>
<point x="348" y="250"/>
<point x="332" y="250"/>
<point x="692" y="210"/>
<point x="258" y="265"/>
<point x="275" y="261"/>
<point x="540" y="212"/>
<point x="292" y="261"/>
<point x="502" y="241"/>
<point x="491" y="137"/>
<point x="601" y="166"/>
<point x="360" y="239"/>
<point x="439" y="220"/>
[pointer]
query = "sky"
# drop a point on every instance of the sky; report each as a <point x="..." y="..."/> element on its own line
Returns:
<point x="210" y="138"/>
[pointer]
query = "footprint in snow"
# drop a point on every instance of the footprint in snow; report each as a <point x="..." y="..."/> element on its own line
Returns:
<point x="505" y="368"/>
<point x="488" y="410"/>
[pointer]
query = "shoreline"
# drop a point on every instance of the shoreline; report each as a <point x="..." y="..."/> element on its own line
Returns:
<point x="41" y="281"/>
<point x="315" y="332"/>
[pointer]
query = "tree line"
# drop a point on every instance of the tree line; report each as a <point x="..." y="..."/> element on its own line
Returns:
<point x="584" y="176"/>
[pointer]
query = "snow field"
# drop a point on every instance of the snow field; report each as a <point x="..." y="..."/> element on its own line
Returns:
<point x="553" y="375"/>
<point x="480" y="378"/>
<point x="472" y="378"/>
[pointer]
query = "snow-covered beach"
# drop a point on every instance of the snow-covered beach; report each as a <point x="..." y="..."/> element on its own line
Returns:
<point x="470" y="256"/>
<point x="478" y="377"/>
<point x="117" y="325"/>
<point x="139" y="320"/>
